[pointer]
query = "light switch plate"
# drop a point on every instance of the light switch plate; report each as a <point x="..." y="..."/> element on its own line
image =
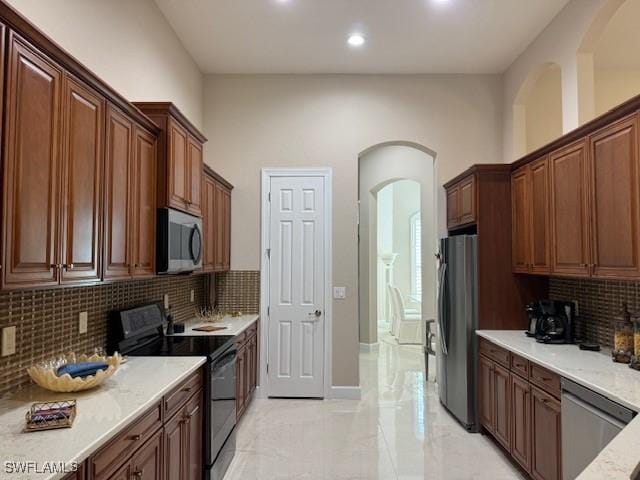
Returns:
<point x="166" y="301"/>
<point x="192" y="296"/>
<point x="8" y="341"/>
<point x="83" y="320"/>
<point x="339" y="292"/>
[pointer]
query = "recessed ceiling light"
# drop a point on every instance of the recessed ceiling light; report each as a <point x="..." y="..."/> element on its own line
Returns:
<point x="356" y="40"/>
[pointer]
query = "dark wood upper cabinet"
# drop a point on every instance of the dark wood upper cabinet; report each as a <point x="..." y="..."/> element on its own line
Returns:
<point x="502" y="404"/>
<point x="208" y="223"/>
<point x="521" y="421"/>
<point x="222" y="255"/>
<point x="194" y="161"/>
<point x="179" y="158"/>
<point x="546" y="458"/>
<point x="520" y="220"/>
<point x="615" y="200"/>
<point x="144" y="204"/>
<point x="569" y="225"/>
<point x="467" y="210"/>
<point x="82" y="176"/>
<point x="117" y="199"/>
<point x="539" y="228"/>
<point x="31" y="168"/>
<point x="453" y="207"/>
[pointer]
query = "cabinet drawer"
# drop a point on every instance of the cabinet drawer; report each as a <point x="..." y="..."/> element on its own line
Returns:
<point x="545" y="379"/>
<point x="520" y="365"/>
<point x="498" y="354"/>
<point x="118" y="450"/>
<point x="251" y="330"/>
<point x="183" y="392"/>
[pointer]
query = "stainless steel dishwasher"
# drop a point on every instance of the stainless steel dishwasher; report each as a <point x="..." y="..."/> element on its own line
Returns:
<point x="589" y="422"/>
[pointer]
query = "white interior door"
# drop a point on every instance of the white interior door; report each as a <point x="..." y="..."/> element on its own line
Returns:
<point x="296" y="287"/>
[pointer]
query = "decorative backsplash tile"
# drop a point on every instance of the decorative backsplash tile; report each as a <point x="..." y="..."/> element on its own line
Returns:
<point x="238" y="291"/>
<point x="599" y="301"/>
<point x="47" y="320"/>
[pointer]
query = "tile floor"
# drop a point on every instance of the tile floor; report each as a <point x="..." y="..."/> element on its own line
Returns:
<point x="398" y="431"/>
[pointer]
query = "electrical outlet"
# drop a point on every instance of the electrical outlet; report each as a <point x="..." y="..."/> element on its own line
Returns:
<point x="339" y="292"/>
<point x="83" y="320"/>
<point x="166" y="301"/>
<point x="8" y="341"/>
<point x="192" y="296"/>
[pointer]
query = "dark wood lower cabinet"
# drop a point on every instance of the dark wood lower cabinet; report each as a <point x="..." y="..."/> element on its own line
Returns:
<point x="522" y="414"/>
<point x="246" y="368"/>
<point x="546" y="463"/>
<point x="146" y="463"/>
<point x="502" y="404"/>
<point x="183" y="442"/>
<point x="521" y="421"/>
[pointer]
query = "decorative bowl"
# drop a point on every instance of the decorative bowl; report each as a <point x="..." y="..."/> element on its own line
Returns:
<point x="44" y="374"/>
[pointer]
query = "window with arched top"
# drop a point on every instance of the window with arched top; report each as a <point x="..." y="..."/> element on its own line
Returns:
<point x="416" y="256"/>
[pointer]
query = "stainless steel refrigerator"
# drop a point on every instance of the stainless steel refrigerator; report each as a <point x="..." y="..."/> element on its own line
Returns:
<point x="458" y="321"/>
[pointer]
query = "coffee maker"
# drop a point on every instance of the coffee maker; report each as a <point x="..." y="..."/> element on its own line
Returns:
<point x="551" y="321"/>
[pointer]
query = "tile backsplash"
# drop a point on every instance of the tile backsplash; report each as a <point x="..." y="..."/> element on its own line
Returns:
<point x="238" y="291"/>
<point x="599" y="301"/>
<point x="47" y="320"/>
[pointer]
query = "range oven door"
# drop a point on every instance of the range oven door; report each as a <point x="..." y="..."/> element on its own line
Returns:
<point x="223" y="400"/>
<point x="179" y="244"/>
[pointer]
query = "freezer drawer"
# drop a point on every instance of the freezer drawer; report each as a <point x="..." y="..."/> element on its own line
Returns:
<point x="589" y="422"/>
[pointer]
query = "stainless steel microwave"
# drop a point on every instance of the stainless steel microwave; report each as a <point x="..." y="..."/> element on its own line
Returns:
<point x="179" y="245"/>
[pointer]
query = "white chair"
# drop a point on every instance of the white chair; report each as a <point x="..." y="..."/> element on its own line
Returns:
<point x="409" y="328"/>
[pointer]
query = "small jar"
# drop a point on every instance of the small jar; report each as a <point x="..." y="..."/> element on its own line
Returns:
<point x="626" y="336"/>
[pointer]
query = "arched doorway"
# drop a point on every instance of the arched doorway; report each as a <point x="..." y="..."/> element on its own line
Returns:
<point x="409" y="169"/>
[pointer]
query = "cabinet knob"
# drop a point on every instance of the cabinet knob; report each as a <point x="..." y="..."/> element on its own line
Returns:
<point x="68" y="266"/>
<point x="135" y="438"/>
<point x="137" y="474"/>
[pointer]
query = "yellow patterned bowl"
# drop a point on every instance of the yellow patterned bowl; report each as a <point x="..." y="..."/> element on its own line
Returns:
<point x="46" y="377"/>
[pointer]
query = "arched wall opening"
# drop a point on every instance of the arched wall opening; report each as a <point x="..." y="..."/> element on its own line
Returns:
<point x="608" y="59"/>
<point x="537" y="109"/>
<point x="399" y="164"/>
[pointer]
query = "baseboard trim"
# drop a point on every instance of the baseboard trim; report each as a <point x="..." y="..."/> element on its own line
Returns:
<point x="369" y="347"/>
<point x="345" y="393"/>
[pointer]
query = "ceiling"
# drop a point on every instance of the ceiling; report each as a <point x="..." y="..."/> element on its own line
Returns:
<point x="403" y="36"/>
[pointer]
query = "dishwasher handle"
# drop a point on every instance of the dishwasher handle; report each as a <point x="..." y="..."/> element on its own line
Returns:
<point x="597" y="401"/>
<point x="604" y="416"/>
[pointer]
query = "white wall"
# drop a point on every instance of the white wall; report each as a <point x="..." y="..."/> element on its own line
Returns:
<point x="406" y="202"/>
<point x="127" y="43"/>
<point x="328" y="120"/>
<point x="614" y="86"/>
<point x="544" y="109"/>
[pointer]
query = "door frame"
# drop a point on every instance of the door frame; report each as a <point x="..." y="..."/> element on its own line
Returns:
<point x="267" y="174"/>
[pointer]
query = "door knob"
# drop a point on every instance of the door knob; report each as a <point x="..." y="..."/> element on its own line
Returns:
<point x="317" y="313"/>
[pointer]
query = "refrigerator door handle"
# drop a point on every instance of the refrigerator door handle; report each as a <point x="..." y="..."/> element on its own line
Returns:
<point x="441" y="308"/>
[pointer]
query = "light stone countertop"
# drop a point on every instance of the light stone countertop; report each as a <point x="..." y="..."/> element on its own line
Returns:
<point x="101" y="414"/>
<point x="234" y="326"/>
<point x="596" y="371"/>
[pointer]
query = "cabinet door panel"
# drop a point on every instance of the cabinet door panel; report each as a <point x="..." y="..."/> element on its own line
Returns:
<point x="615" y="200"/>
<point x="193" y="457"/>
<point x="240" y="393"/>
<point x="502" y="401"/>
<point x="222" y="208"/>
<point x="31" y="168"/>
<point x="178" y="166"/>
<point x="453" y="207"/>
<point x="146" y="463"/>
<point x="194" y="154"/>
<point x="485" y="387"/>
<point x="540" y="261"/>
<point x="144" y="204"/>
<point x="82" y="183"/>
<point x="467" y="201"/>
<point x="208" y="223"/>
<point x="520" y="220"/>
<point x="521" y="421"/>
<point x="547" y="442"/>
<point x="174" y="448"/>
<point x="570" y="251"/>
<point x="117" y="248"/>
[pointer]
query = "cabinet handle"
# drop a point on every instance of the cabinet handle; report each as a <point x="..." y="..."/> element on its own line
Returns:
<point x="135" y="438"/>
<point x="68" y="266"/>
<point x="137" y="474"/>
<point x="187" y="389"/>
<point x="546" y="379"/>
<point x="519" y="365"/>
